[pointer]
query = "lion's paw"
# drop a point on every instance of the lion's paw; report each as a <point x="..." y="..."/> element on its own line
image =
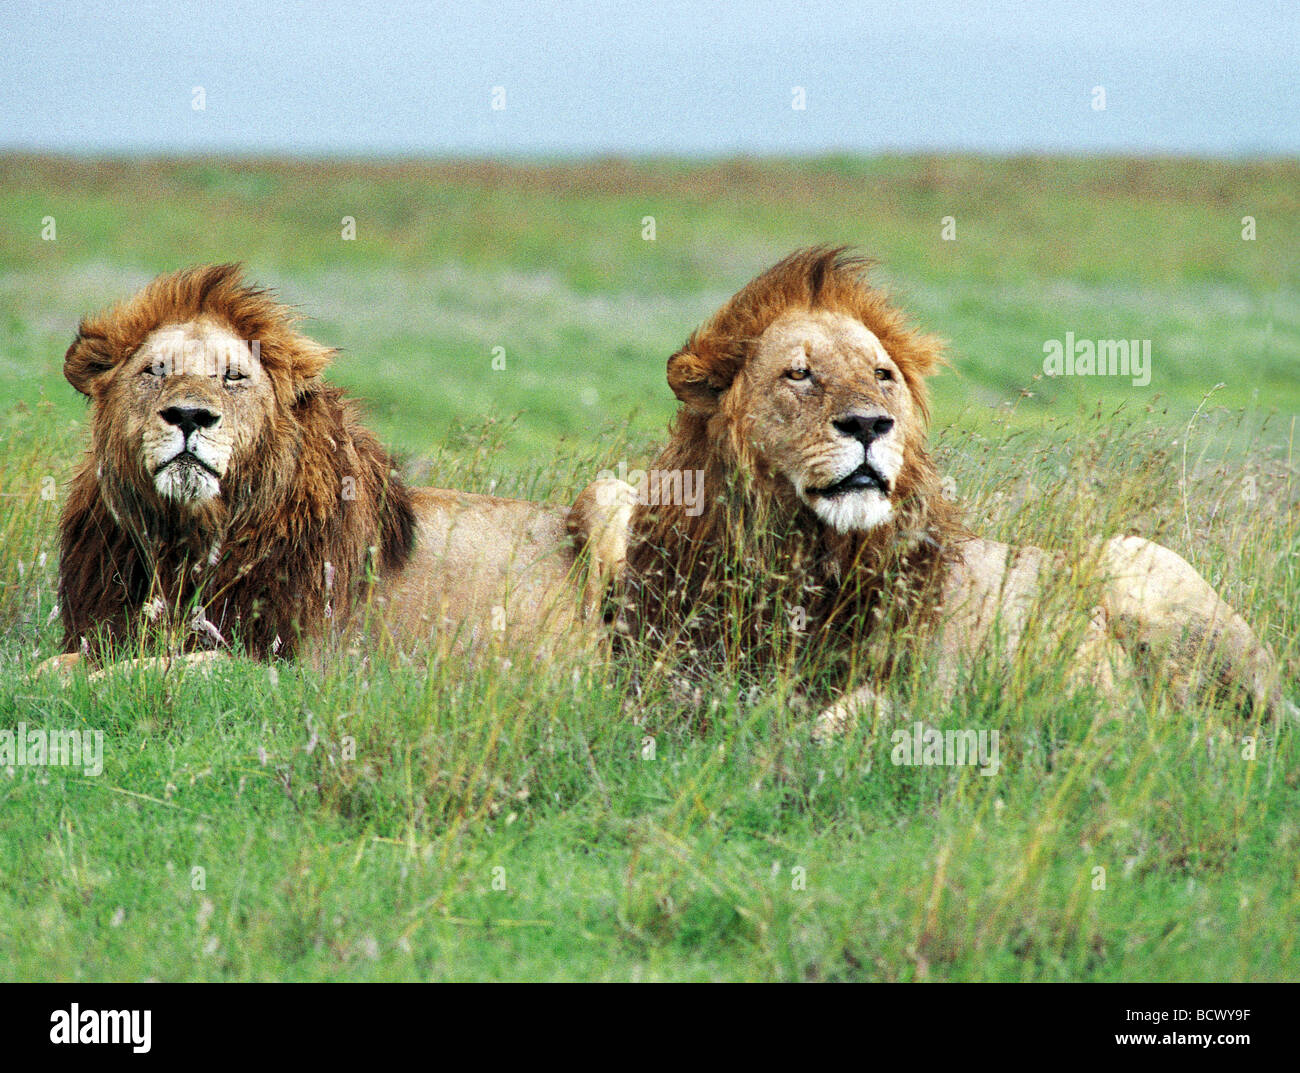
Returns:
<point x="61" y="665"/>
<point x="840" y="718"/>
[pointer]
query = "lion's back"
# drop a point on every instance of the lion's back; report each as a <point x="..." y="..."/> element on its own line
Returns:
<point x="483" y="568"/>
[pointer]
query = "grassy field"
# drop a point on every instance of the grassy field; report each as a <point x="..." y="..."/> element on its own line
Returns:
<point x="514" y="822"/>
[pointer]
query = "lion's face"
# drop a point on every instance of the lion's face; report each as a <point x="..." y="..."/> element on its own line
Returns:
<point x="823" y="406"/>
<point x="192" y="401"/>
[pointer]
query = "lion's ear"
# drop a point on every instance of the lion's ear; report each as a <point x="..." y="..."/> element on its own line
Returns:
<point x="697" y="383"/>
<point x="86" y="361"/>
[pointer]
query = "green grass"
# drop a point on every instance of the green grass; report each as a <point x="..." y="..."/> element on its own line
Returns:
<point x="357" y="823"/>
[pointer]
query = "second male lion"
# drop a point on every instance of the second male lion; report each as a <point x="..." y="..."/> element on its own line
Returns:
<point x="804" y="411"/>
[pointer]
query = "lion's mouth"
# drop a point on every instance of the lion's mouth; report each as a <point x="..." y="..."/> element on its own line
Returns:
<point x="186" y="458"/>
<point x="864" y="477"/>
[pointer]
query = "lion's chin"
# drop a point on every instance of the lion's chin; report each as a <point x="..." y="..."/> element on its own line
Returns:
<point x="187" y="483"/>
<point x="852" y="512"/>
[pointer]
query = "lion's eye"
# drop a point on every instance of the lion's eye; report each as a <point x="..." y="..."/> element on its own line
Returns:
<point x="884" y="374"/>
<point x="233" y="375"/>
<point x="797" y="375"/>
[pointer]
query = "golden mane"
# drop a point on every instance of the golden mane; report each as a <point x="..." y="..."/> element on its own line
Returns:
<point x="724" y="582"/>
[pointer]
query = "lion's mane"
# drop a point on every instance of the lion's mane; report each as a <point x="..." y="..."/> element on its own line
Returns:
<point x="283" y="551"/>
<point x="756" y="567"/>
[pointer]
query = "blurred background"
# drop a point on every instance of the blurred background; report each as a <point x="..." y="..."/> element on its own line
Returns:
<point x="503" y="213"/>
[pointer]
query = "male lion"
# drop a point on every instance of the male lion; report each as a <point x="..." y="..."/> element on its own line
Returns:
<point x="231" y="498"/>
<point x="804" y="411"/>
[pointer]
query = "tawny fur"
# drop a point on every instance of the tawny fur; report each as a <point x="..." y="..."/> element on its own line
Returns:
<point x="310" y="530"/>
<point x="771" y="574"/>
<point x="280" y="521"/>
<point x="756" y="552"/>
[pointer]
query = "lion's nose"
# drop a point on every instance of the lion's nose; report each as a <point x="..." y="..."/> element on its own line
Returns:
<point x="864" y="427"/>
<point x="189" y="418"/>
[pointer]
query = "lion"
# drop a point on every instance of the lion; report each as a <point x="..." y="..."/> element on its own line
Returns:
<point x="231" y="500"/>
<point x="804" y="411"/>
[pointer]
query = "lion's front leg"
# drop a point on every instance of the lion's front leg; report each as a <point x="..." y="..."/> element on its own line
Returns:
<point x="63" y="664"/>
<point x="202" y="661"/>
<point x="1164" y="612"/>
<point x="863" y="703"/>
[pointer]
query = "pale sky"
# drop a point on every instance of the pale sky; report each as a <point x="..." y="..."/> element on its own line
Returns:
<point x="1207" y="77"/>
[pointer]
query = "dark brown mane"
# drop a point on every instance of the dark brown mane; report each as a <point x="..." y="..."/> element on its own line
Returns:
<point x="305" y="519"/>
<point x="731" y="581"/>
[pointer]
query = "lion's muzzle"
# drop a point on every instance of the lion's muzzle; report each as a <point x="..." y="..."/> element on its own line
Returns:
<point x="857" y="495"/>
<point x="189" y="462"/>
